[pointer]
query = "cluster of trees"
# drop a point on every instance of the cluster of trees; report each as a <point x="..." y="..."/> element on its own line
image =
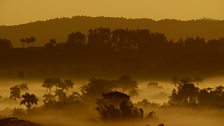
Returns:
<point x="28" y="41"/>
<point x="26" y="99"/>
<point x="188" y="94"/>
<point x="96" y="87"/>
<point x="60" y="95"/>
<point x="118" y="106"/>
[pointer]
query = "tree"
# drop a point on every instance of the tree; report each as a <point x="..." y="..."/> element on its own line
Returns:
<point x="61" y="95"/>
<point x="76" y="39"/>
<point x="117" y="106"/>
<point x="66" y="85"/>
<point x="95" y="88"/>
<point x="28" y="41"/>
<point x="32" y="40"/>
<point x="49" y="99"/>
<point x="29" y="100"/>
<point x="51" y="44"/>
<point x="99" y="38"/>
<point x="186" y="93"/>
<point x="48" y="83"/>
<point x="15" y="91"/>
<point x="23" y="41"/>
<point x="5" y="44"/>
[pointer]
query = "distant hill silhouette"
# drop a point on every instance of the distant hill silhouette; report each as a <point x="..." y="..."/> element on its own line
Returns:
<point x="59" y="28"/>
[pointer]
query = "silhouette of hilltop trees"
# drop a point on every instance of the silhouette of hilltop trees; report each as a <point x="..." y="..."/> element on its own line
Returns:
<point x="118" y="51"/>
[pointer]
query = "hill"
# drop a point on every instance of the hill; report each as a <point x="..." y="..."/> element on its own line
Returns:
<point x="60" y="28"/>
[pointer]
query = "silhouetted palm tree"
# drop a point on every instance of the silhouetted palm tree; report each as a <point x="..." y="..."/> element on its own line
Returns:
<point x="32" y="40"/>
<point x="66" y="85"/>
<point x="28" y="41"/>
<point x="61" y="95"/>
<point x="15" y="91"/>
<point x="48" y="99"/>
<point x="23" y="41"/>
<point x="29" y="100"/>
<point x="48" y="83"/>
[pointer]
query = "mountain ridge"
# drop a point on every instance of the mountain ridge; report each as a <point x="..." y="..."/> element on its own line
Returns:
<point x="59" y="28"/>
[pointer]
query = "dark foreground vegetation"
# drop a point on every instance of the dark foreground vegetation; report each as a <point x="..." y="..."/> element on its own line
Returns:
<point x="114" y="52"/>
<point x="16" y="122"/>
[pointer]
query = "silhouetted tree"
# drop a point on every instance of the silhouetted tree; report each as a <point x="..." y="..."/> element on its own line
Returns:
<point x="23" y="41"/>
<point x="95" y="88"/>
<point x="28" y="41"/>
<point x="5" y="44"/>
<point x="49" y="83"/>
<point x="15" y="91"/>
<point x="99" y="38"/>
<point x="65" y="85"/>
<point x="77" y="39"/>
<point x="51" y="44"/>
<point x="29" y="100"/>
<point x="49" y="99"/>
<point x="61" y="95"/>
<point x="32" y="40"/>
<point x="186" y="93"/>
<point x="117" y="106"/>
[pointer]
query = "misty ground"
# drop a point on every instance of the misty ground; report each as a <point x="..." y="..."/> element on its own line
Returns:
<point x="170" y="116"/>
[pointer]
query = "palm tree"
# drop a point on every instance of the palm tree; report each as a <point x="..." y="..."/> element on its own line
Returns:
<point x="48" y="83"/>
<point x="15" y="92"/>
<point x="66" y="85"/>
<point x="48" y="98"/>
<point x="23" y="41"/>
<point x="32" y="40"/>
<point x="29" y="100"/>
<point x="61" y="95"/>
<point x="28" y="41"/>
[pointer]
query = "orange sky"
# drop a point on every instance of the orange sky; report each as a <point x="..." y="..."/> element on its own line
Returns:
<point x="22" y="11"/>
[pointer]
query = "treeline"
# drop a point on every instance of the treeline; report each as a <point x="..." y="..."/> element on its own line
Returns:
<point x="122" y="49"/>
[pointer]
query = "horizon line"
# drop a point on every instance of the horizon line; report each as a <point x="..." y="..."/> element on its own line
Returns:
<point x="114" y="17"/>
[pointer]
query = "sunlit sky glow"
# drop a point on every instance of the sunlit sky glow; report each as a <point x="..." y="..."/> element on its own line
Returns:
<point x="22" y="11"/>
